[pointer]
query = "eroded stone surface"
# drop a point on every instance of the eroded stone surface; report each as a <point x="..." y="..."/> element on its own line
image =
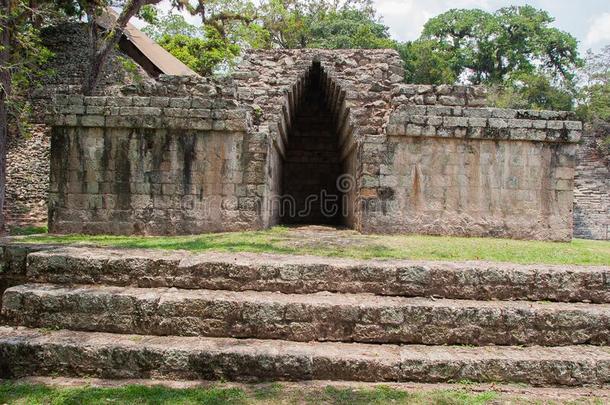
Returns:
<point x="592" y="186"/>
<point x="307" y="274"/>
<point x="305" y="317"/>
<point x="425" y="159"/>
<point x="212" y="299"/>
<point x="26" y="352"/>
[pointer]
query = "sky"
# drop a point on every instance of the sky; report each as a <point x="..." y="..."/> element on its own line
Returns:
<point x="587" y="20"/>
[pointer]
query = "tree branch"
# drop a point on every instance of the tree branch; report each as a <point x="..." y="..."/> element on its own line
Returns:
<point x="132" y="7"/>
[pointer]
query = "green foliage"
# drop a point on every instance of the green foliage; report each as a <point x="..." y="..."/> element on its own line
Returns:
<point x="594" y="96"/>
<point x="209" y="47"/>
<point x="426" y="63"/>
<point x="286" y="21"/>
<point x="493" y="48"/>
<point x="132" y="68"/>
<point x="203" y="55"/>
<point x="28" y="230"/>
<point x="348" y="28"/>
<point x="531" y="91"/>
<point x="27" y="58"/>
<point x="149" y="14"/>
<point x="170" y="24"/>
<point x="596" y="102"/>
<point x="322" y="24"/>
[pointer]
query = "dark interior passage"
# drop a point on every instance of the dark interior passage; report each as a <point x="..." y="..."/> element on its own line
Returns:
<point x="312" y="165"/>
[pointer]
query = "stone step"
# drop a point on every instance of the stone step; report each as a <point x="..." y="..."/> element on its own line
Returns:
<point x="309" y="274"/>
<point x="26" y="352"/>
<point x="305" y="317"/>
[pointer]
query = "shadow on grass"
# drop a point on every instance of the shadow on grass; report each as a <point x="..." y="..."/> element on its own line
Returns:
<point x="131" y="394"/>
<point x="270" y="394"/>
<point x="282" y="240"/>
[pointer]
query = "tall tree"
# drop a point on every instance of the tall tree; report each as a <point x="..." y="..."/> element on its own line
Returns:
<point x="500" y="47"/>
<point x="349" y="28"/>
<point x="203" y="54"/>
<point x="427" y="63"/>
<point x="218" y="14"/>
<point x="531" y="91"/>
<point x="101" y="47"/>
<point x="170" y="24"/>
<point x="208" y="48"/>
<point x="594" y="95"/>
<point x="323" y="24"/>
<point x="5" y="93"/>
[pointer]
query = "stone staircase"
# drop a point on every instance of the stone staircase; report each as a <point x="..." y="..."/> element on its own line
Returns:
<point x="106" y="313"/>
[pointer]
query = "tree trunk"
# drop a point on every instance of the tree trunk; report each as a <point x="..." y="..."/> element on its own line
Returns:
<point x="5" y="91"/>
<point x="96" y="66"/>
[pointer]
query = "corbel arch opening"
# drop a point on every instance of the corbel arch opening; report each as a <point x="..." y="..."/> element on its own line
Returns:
<point x="317" y="177"/>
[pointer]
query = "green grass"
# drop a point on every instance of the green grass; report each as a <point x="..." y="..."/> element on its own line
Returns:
<point x="269" y="394"/>
<point x="272" y="394"/>
<point x="133" y="394"/>
<point x="27" y="230"/>
<point x="350" y="244"/>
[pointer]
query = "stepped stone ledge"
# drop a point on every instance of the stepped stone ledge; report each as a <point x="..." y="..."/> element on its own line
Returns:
<point x="308" y="274"/>
<point x="27" y="352"/>
<point x="306" y="317"/>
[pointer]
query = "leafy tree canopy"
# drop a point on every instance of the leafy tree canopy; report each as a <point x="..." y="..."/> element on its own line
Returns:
<point x="594" y="96"/>
<point x="496" y="48"/>
<point x="275" y="23"/>
<point x="213" y="45"/>
<point x="349" y="28"/>
<point x="531" y="91"/>
<point x="202" y="54"/>
<point x="169" y="24"/>
<point x="323" y="24"/>
<point x="426" y="63"/>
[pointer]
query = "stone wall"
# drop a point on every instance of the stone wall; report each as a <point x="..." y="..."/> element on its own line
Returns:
<point x="150" y="164"/>
<point x="69" y="43"/>
<point x="477" y="172"/>
<point x="357" y="88"/>
<point x="592" y="186"/>
<point x="27" y="179"/>
<point x="424" y="159"/>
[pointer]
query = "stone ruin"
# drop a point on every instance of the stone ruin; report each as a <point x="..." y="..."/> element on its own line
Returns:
<point x="309" y="136"/>
<point x="272" y="144"/>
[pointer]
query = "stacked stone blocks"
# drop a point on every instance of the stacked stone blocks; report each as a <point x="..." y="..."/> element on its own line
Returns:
<point x="425" y="159"/>
<point x="123" y="313"/>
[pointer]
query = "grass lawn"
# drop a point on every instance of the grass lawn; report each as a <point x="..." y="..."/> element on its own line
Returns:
<point x="323" y="241"/>
<point x="271" y="394"/>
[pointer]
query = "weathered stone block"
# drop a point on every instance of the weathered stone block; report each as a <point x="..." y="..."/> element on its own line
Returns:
<point x="451" y="100"/>
<point x="498" y="123"/>
<point x="503" y="113"/>
<point x="181" y="102"/>
<point x="159" y="101"/>
<point x="95" y="101"/>
<point x="477" y="122"/>
<point x="556" y="125"/>
<point x="455" y="121"/>
<point x="119" y="101"/>
<point x="92" y="121"/>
